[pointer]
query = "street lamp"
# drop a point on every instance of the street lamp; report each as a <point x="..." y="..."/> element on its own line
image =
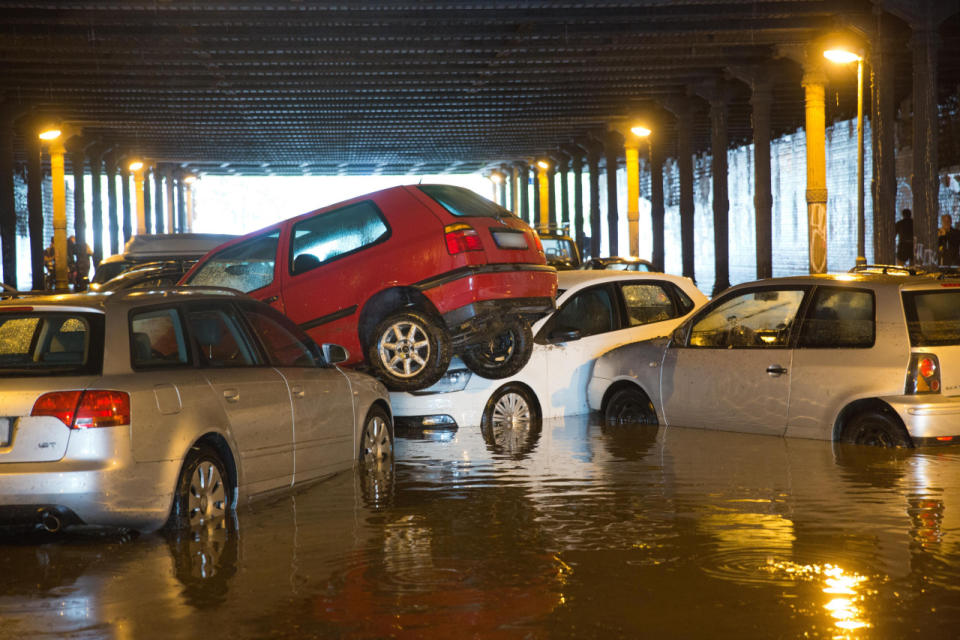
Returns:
<point x="845" y="56"/>
<point x="53" y="136"/>
<point x="631" y="146"/>
<point x="543" y="182"/>
<point x="137" y="169"/>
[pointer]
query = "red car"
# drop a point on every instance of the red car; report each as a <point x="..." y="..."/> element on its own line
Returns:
<point x="403" y="278"/>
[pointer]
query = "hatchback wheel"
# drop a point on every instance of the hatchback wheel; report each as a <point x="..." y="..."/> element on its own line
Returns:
<point x="502" y="355"/>
<point x="409" y="351"/>
<point x="876" y="429"/>
<point x="203" y="494"/>
<point x="629" y="405"/>
<point x="376" y="440"/>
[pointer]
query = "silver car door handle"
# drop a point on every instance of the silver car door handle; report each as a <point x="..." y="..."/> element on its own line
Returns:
<point x="231" y="395"/>
<point x="297" y="392"/>
<point x="776" y="370"/>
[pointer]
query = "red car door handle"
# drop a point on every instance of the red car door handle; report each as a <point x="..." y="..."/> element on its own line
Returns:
<point x="776" y="370"/>
<point x="271" y="299"/>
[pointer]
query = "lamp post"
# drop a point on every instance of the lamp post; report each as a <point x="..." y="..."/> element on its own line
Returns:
<point x="631" y="146"/>
<point x="543" y="181"/>
<point x="844" y="56"/>
<point x="189" y="180"/>
<point x="136" y="167"/>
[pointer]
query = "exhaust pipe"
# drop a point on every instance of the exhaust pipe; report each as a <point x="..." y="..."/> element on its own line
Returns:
<point x="50" y="522"/>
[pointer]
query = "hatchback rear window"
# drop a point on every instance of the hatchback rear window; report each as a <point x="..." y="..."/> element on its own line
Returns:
<point x="48" y="344"/>
<point x="246" y="266"/>
<point x="933" y="317"/>
<point x="463" y="202"/>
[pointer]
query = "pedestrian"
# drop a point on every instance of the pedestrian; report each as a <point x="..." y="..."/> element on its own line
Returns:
<point x="948" y="241"/>
<point x="904" y="230"/>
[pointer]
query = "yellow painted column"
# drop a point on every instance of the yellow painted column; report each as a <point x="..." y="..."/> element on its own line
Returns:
<point x="59" y="216"/>
<point x="543" y="182"/>
<point x="813" y="84"/>
<point x="138" y="193"/>
<point x="633" y="194"/>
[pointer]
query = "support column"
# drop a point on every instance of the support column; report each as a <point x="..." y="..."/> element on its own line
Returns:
<point x="577" y="231"/>
<point x="593" y="160"/>
<point x="145" y="189"/>
<point x="8" y="209"/>
<point x="813" y="84"/>
<point x="926" y="171"/>
<point x="141" y="186"/>
<point x="718" y="98"/>
<point x="761" y="101"/>
<point x="544" y="182"/>
<point x="657" y="211"/>
<point x="113" y="224"/>
<point x="58" y="188"/>
<point x="158" y="200"/>
<point x="512" y="174"/>
<point x="35" y="207"/>
<point x="181" y="207"/>
<point x="612" y="145"/>
<point x="125" y="195"/>
<point x="631" y="147"/>
<point x="883" y="126"/>
<point x="682" y="108"/>
<point x="523" y="180"/>
<point x="171" y="209"/>
<point x="96" y="210"/>
<point x="77" y="161"/>
<point x="563" y="165"/>
<point x="552" y="193"/>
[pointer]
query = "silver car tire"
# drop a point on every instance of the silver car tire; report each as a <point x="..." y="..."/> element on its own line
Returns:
<point x="629" y="405"/>
<point x="204" y="492"/>
<point x="376" y="439"/>
<point x="878" y="429"/>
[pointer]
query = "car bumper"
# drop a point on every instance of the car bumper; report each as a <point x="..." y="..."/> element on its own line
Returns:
<point x="436" y="411"/>
<point x="97" y="481"/>
<point x="506" y="284"/>
<point x="930" y="419"/>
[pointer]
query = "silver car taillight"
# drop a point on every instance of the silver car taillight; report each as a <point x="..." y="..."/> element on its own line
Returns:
<point x="924" y="374"/>
<point x="85" y="409"/>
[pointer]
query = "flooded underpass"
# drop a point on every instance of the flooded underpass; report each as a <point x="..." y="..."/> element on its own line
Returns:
<point x="576" y="531"/>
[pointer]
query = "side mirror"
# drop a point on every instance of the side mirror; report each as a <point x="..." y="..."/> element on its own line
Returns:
<point x="679" y="336"/>
<point x="564" y="336"/>
<point x="334" y="353"/>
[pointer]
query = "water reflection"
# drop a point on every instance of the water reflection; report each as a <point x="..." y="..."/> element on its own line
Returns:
<point x="586" y="530"/>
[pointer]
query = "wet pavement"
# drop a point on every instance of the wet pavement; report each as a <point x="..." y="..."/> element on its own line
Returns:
<point x="575" y="531"/>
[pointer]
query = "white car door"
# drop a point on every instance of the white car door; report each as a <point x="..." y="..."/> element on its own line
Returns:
<point x="605" y="316"/>
<point x="252" y="393"/>
<point x="733" y="371"/>
<point x="324" y="425"/>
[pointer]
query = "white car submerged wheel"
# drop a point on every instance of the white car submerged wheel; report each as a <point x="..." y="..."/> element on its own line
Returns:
<point x="511" y="420"/>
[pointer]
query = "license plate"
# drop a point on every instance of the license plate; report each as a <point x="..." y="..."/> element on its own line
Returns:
<point x="5" y="431"/>
<point x="510" y="239"/>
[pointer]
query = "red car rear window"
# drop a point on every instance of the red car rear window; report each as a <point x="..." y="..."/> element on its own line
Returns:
<point x="464" y="203"/>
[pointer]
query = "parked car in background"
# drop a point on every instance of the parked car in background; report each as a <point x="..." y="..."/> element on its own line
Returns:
<point x="559" y="248"/>
<point x="158" y="247"/>
<point x="858" y="358"/>
<point x="403" y="278"/>
<point x="149" y="275"/>
<point x="618" y="263"/>
<point x="141" y="409"/>
<point x="596" y="312"/>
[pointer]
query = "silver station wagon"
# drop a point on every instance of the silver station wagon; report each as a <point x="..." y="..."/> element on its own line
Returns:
<point x="150" y="408"/>
<point x="858" y="358"/>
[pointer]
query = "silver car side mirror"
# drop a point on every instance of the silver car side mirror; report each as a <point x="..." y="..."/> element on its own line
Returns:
<point x="334" y="353"/>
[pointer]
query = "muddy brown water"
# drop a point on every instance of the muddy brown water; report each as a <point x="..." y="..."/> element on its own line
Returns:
<point x="577" y="531"/>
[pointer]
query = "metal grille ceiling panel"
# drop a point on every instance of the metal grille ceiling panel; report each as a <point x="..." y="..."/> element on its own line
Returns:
<point x="298" y="87"/>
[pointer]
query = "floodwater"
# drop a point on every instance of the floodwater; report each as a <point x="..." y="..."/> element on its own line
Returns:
<point x="577" y="531"/>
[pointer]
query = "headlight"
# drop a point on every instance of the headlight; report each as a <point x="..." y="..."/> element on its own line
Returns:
<point x="455" y="380"/>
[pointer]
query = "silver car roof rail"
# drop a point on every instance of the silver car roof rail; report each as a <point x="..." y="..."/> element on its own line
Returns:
<point x="197" y="289"/>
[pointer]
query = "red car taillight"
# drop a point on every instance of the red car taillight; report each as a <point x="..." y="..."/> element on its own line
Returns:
<point x="924" y="374"/>
<point x="537" y="242"/>
<point x="461" y="237"/>
<point x="85" y="409"/>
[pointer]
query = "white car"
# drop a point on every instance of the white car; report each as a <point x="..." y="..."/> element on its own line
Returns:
<point x="596" y="311"/>
<point x="862" y="359"/>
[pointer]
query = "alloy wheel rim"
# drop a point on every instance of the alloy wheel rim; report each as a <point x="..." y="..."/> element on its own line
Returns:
<point x="404" y="349"/>
<point x="511" y="411"/>
<point x="207" y="498"/>
<point x="376" y="440"/>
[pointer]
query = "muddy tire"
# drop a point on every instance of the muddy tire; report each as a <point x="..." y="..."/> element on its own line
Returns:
<point x="629" y="405"/>
<point x="876" y="429"/>
<point x="204" y="493"/>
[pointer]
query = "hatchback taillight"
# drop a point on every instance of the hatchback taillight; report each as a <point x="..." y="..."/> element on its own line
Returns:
<point x="924" y="374"/>
<point x="461" y="237"/>
<point x="537" y="242"/>
<point x="85" y="409"/>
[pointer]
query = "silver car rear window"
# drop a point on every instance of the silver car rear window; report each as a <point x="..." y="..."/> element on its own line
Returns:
<point x="50" y="343"/>
<point x="463" y="202"/>
<point x="933" y="317"/>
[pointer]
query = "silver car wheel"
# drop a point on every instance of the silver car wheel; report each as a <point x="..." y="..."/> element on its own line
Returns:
<point x="377" y="444"/>
<point x="404" y="349"/>
<point x="207" y="497"/>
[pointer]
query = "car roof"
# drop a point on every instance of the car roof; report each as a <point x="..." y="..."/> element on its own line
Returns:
<point x="98" y="302"/>
<point x="874" y="280"/>
<point x="580" y="278"/>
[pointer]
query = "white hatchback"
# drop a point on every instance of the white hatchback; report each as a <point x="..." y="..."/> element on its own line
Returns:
<point x="862" y="359"/>
<point x="596" y="311"/>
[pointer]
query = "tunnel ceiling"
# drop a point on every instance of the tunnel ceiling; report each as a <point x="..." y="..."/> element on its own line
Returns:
<point x="298" y="87"/>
